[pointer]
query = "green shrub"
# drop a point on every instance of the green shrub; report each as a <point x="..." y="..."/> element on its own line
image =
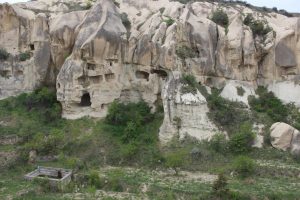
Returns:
<point x="121" y="114"/>
<point x="184" y="52"/>
<point x="169" y="21"/>
<point x="248" y="19"/>
<point x="244" y="166"/>
<point x="242" y="141"/>
<point x="189" y="84"/>
<point x="88" y="5"/>
<point x="3" y="55"/>
<point x="176" y="159"/>
<point x="220" y="187"/>
<point x="258" y="27"/>
<point x="130" y="132"/>
<point x="220" y="17"/>
<point x="94" y="180"/>
<point x="219" y="143"/>
<point x="268" y="103"/>
<point x="115" y="180"/>
<point x="226" y="114"/>
<point x="24" y="56"/>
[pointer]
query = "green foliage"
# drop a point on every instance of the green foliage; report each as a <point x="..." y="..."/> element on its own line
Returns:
<point x="242" y="141"/>
<point x="220" y="17"/>
<point x="24" y="56"/>
<point x="125" y="20"/>
<point x="218" y="143"/>
<point x="258" y="27"/>
<point x="94" y="179"/>
<point x="240" y="91"/>
<point x="121" y="114"/>
<point x="220" y="187"/>
<point x="133" y="127"/>
<point x="189" y="84"/>
<point x="88" y="5"/>
<point x="169" y="21"/>
<point x="226" y="114"/>
<point x="45" y="186"/>
<point x="244" y="166"/>
<point x="268" y="103"/>
<point x="3" y="55"/>
<point x="184" y="52"/>
<point x="176" y="159"/>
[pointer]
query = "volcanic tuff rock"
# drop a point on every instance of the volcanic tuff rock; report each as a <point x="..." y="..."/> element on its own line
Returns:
<point x="285" y="137"/>
<point x="132" y="50"/>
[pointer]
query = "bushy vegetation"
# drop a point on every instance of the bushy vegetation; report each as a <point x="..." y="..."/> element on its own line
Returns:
<point x="24" y="56"/>
<point x="184" y="52"/>
<point x="220" y="17"/>
<point x="176" y="159"/>
<point x="219" y="143"/>
<point x="269" y="104"/>
<point x="189" y="84"/>
<point x="226" y="114"/>
<point x="3" y="55"/>
<point x="169" y="21"/>
<point x="244" y="166"/>
<point x="242" y="141"/>
<point x="128" y="137"/>
<point x="258" y="27"/>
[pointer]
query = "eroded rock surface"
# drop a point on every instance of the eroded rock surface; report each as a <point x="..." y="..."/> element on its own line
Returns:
<point x="132" y="50"/>
<point x="285" y="137"/>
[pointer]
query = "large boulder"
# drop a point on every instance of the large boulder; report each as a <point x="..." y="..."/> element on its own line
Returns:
<point x="285" y="137"/>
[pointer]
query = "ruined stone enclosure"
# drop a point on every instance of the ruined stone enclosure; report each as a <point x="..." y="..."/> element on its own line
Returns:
<point x="57" y="177"/>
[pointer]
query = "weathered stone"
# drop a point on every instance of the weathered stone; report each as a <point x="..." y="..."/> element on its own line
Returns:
<point x="98" y="55"/>
<point x="285" y="137"/>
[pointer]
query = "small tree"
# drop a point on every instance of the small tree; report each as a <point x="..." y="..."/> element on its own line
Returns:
<point x="220" y="17"/>
<point x="242" y="141"/>
<point x="244" y="166"/>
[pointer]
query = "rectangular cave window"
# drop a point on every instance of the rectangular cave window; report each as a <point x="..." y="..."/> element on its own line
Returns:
<point x="142" y="75"/>
<point x="31" y="47"/>
<point x="91" y="66"/>
<point x="109" y="77"/>
<point x="96" y="79"/>
<point x="85" y="100"/>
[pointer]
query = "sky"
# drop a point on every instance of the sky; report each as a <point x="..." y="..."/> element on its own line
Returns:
<point x="289" y="5"/>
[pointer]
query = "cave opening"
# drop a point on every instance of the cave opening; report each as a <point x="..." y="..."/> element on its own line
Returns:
<point x="85" y="100"/>
<point x="31" y="47"/>
<point x="161" y="73"/>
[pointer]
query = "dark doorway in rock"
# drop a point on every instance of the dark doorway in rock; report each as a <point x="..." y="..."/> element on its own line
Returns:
<point x="161" y="73"/>
<point x="31" y="47"/>
<point x="85" y="100"/>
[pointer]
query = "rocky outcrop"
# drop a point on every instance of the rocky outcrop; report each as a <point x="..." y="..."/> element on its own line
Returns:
<point x="132" y="50"/>
<point x="285" y="137"/>
<point x="185" y="113"/>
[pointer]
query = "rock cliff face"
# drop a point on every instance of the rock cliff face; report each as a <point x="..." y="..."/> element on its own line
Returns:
<point x="132" y="50"/>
